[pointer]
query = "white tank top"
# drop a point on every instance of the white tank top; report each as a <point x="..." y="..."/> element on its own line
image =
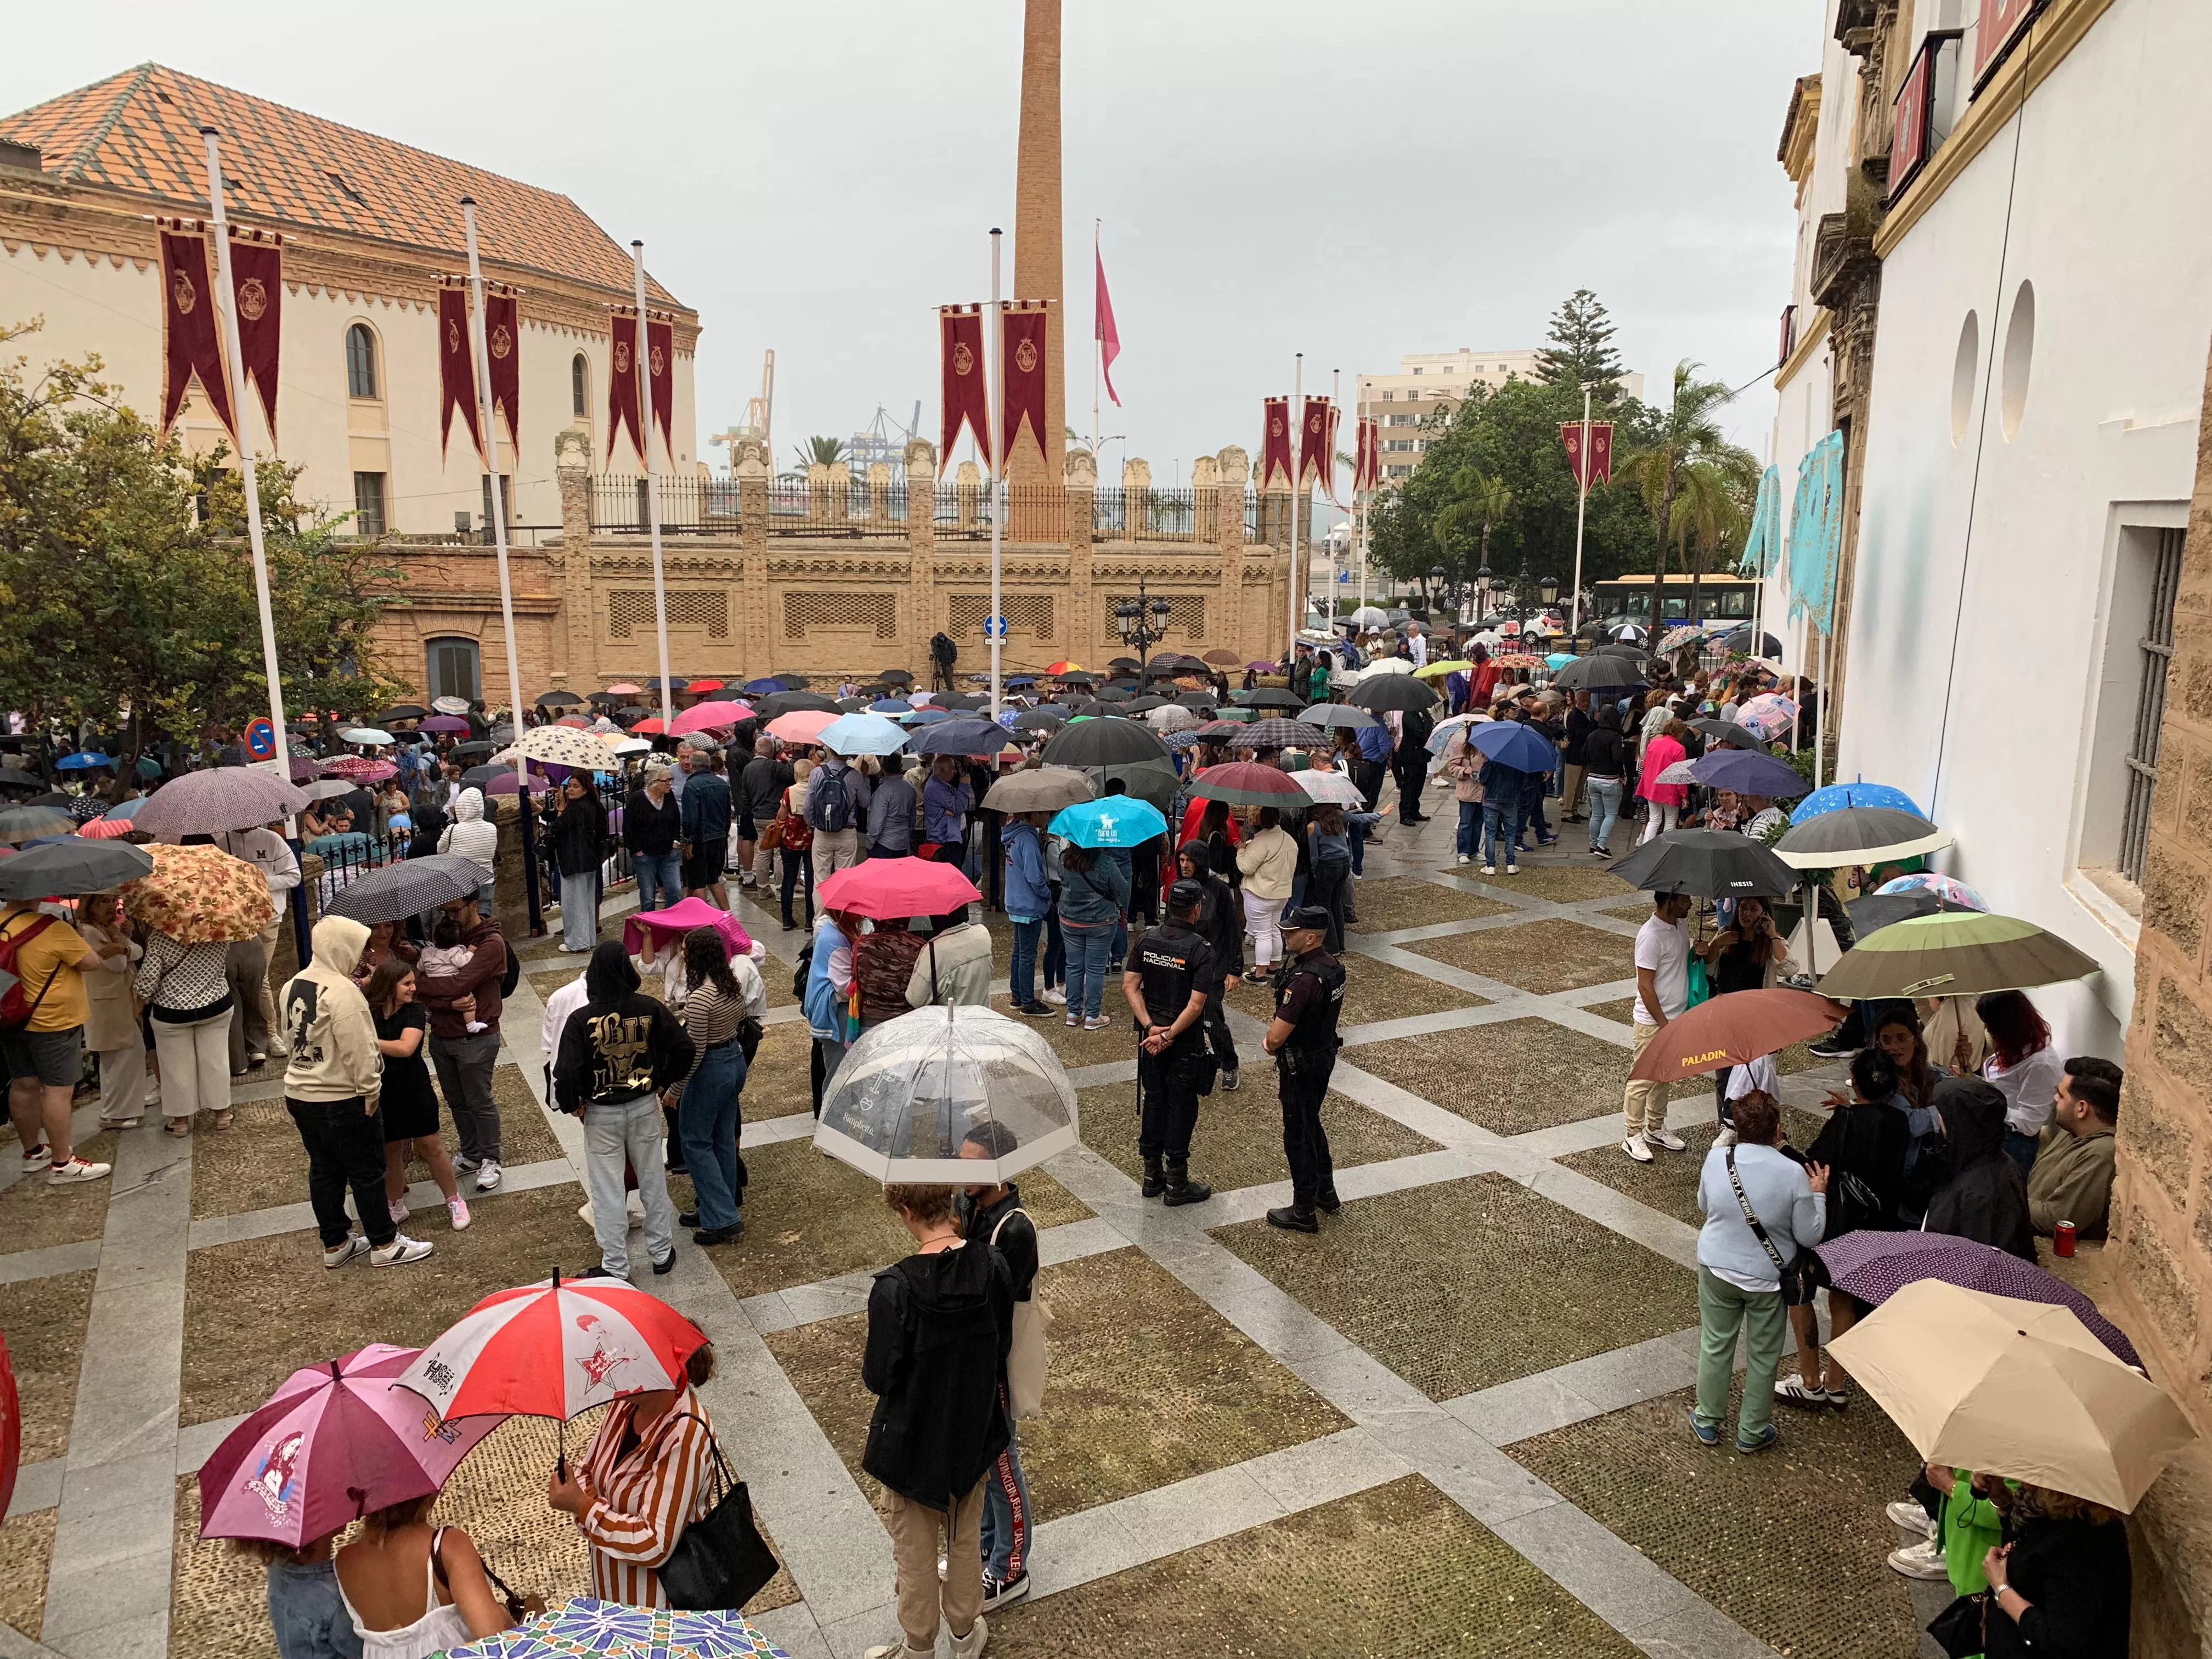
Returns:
<point x="440" y="1626"/>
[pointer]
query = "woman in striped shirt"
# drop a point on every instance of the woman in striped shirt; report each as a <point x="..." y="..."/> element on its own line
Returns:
<point x="644" y="1480"/>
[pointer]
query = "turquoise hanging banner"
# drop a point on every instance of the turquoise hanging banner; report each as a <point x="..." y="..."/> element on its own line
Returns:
<point x="1816" y="531"/>
<point x="1762" y="547"/>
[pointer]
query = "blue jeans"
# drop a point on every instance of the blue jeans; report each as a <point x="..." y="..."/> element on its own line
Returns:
<point x="1469" y="841"/>
<point x="1006" y="1527"/>
<point x="660" y="879"/>
<point x="580" y="911"/>
<point x="1501" y="831"/>
<point x="1087" y="956"/>
<point x="2020" y="1149"/>
<point x="707" y="1118"/>
<point x="309" y="1618"/>
<point x="1604" y="810"/>
<point x="1021" y="972"/>
<point x="1359" y="848"/>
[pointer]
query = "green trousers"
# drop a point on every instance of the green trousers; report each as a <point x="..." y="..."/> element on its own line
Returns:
<point x="1723" y="1310"/>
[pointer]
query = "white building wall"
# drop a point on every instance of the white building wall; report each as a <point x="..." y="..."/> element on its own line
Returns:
<point x="1986" y="682"/>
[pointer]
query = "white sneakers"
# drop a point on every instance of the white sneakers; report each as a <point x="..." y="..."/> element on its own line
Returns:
<point x="394" y="1208"/>
<point x="1919" y="1561"/>
<point x="1667" y="1138"/>
<point x="1057" y="998"/>
<point x="1911" y="1516"/>
<point x="1464" y="858"/>
<point x="337" y="1256"/>
<point x="487" y="1175"/>
<point x="1635" y="1148"/>
<point x="398" y="1253"/>
<point x="76" y="1169"/>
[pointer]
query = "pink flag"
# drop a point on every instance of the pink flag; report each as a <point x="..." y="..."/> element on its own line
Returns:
<point x="1109" y="341"/>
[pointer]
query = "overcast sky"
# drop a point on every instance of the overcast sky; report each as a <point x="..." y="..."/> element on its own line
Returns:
<point x="1352" y="181"/>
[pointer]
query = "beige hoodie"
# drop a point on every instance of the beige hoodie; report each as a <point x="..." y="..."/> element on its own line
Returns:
<point x="329" y="1032"/>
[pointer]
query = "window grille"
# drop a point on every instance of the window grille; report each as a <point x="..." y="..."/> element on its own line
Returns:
<point x="2157" y="653"/>
<point x="803" y="612"/>
<point x="629" y="611"/>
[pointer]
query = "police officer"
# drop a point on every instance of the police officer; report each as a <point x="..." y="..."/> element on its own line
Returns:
<point x="1303" y="1039"/>
<point x="1169" y="969"/>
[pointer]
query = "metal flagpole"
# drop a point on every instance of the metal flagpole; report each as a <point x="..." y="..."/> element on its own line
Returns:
<point x="1329" y="459"/>
<point x="643" y="367"/>
<point x="1098" y="342"/>
<point x="996" y="345"/>
<point x="477" y="345"/>
<point x="1291" y="531"/>
<point x="226" y="304"/>
<point x="1581" y="510"/>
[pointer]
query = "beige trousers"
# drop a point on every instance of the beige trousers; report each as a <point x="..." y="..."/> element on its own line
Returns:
<point x="913" y="1528"/>
<point x="1646" y="1103"/>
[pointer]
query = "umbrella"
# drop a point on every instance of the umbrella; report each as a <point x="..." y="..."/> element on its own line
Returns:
<point x="1769" y="714"/>
<point x="1877" y="910"/>
<point x="1631" y="632"/>
<point x="1039" y="789"/>
<point x="764" y="687"/>
<point x="561" y="745"/>
<point x="1600" y="671"/>
<point x="1114" y="694"/>
<point x="199" y="894"/>
<point x="1440" y="734"/>
<point x="53" y="800"/>
<point x="1858" y="835"/>
<point x="471" y="749"/>
<point x="330" y="788"/>
<point x="576" y="723"/>
<point x="1437" y="670"/>
<point x="1109" y="821"/>
<point x="1835" y="797"/>
<point x="406" y="889"/>
<point x="676" y="683"/>
<point x="210" y="802"/>
<point x="84" y="761"/>
<point x="334" y="1443"/>
<point x="1681" y="772"/>
<point x="303" y="769"/>
<point x="361" y="768"/>
<point x="1046" y="719"/>
<point x="1153" y="781"/>
<point x="1369" y="615"/>
<point x="926" y="717"/>
<point x="1098" y="743"/>
<point x="1732" y="1030"/>
<point x="1957" y="953"/>
<point x="412" y="711"/>
<point x="1064" y="667"/>
<point x="892" y="889"/>
<point x="804" y="726"/>
<point x="703" y="716"/>
<point x="1874" y="1266"/>
<point x="609" y="1629"/>
<point x="107" y="828"/>
<point x="1270" y="697"/>
<point x="21" y="823"/>
<point x="559" y="700"/>
<point x="1200" y="700"/>
<point x="1342" y="715"/>
<point x="1708" y="863"/>
<point x="1729" y="731"/>
<point x="701" y="688"/>
<point x="1247" y="783"/>
<point x="1511" y="744"/>
<point x="1743" y="641"/>
<point x="76" y="865"/>
<point x="1221" y="659"/>
<point x="908" y="1094"/>
<point x="482" y="777"/>
<point x="2016" y="1388"/>
<point x="897" y="677"/>
<point x="1749" y="774"/>
<point x="450" y="705"/>
<point x="686" y="915"/>
<point x="1953" y="894"/>
<point x="1687" y="634"/>
<point x="598" y="700"/>
<point x="1145" y="705"/>
<point x="1279" y="734"/>
<point x="368" y="735"/>
<point x="859" y="734"/>
<point x="891" y="706"/>
<point x="1171" y="717"/>
<point x="791" y="702"/>
<point x="1178" y="741"/>
<point x="1329" y="786"/>
<point x="553" y="1349"/>
<point x="445" y="723"/>
<point x="1125" y="665"/>
<point x="12" y="777"/>
<point x="960" y="736"/>
<point x="1392" y="691"/>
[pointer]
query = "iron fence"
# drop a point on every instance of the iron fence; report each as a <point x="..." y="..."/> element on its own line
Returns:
<point x="1033" y="513"/>
<point x="795" y="507"/>
<point x="1119" y="513"/>
<point x="689" y="505"/>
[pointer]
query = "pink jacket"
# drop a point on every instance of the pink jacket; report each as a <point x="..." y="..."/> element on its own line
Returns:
<point x="1662" y="752"/>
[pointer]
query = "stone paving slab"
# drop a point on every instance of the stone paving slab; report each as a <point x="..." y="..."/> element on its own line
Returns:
<point x="35" y="1216"/>
<point x="1466" y="1284"/>
<point x="1668" y="1183"/>
<point x="1510" y="1077"/>
<point x="1147" y="1386"/>
<point x="26" y="1549"/>
<point x="45" y="1320"/>
<point x="1542" y="957"/>
<point x="1372" y="991"/>
<point x="1788" y="1543"/>
<point x="1396" y="1572"/>
<point x="1239" y="1138"/>
<point x="1559" y="884"/>
<point x="776" y="1082"/>
<point x="1385" y="903"/>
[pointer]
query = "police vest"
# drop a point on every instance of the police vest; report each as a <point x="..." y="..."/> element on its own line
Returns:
<point x="1315" y="1027"/>
<point x="1170" y="960"/>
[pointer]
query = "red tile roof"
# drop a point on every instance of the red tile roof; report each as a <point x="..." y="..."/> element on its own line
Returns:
<point x="138" y="131"/>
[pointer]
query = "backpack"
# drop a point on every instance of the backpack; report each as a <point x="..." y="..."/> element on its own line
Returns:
<point x="15" y="1011"/>
<point x="829" y="802"/>
<point x="511" y="975"/>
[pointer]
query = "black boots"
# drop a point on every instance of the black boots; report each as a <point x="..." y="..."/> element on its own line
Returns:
<point x="1294" y="1219"/>
<point x="1155" y="1183"/>
<point x="1181" y="1188"/>
<point x="1326" y="1200"/>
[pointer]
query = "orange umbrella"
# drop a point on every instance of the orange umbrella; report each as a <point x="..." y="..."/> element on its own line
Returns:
<point x="1732" y="1030"/>
<point x="199" y="896"/>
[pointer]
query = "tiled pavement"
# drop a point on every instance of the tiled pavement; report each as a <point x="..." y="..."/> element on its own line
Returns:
<point x="1446" y="1426"/>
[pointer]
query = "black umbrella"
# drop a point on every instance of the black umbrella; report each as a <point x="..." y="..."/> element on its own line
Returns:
<point x="477" y="776"/>
<point x="1114" y="694"/>
<point x="676" y="683"/>
<point x="896" y="677"/>
<point x="1708" y="864"/>
<point x="1144" y="705"/>
<point x="1729" y="731"/>
<point x="959" y="737"/>
<point x="1105" y="743"/>
<point x="1600" y="671"/>
<point x="406" y="889"/>
<point x="558" y="700"/>
<point x="1744" y="640"/>
<point x="1380" y="693"/>
<point x="787" y="702"/>
<point x="792" y="682"/>
<point x="1040" y="720"/>
<point x="1876" y="910"/>
<point x="466" y="751"/>
<point x="1275" y="697"/>
<point x="853" y="705"/>
<point x="74" y="866"/>
<point x="960" y="701"/>
<point x="632" y="712"/>
<point x="52" y="798"/>
<point x="409" y="711"/>
<point x="15" y="778"/>
<point x="1125" y="665"/>
<point x="1073" y="679"/>
<point x="608" y="699"/>
<point x="1858" y="835"/>
<point x="1205" y="700"/>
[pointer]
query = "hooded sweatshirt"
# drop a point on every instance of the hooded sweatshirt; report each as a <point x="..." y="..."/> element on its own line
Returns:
<point x="1987" y="1200"/>
<point x="939" y="1329"/>
<point x="471" y="834"/>
<point x="329" y="1033"/>
<point x="621" y="1044"/>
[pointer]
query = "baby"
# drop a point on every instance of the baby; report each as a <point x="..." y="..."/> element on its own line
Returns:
<point x="445" y="955"/>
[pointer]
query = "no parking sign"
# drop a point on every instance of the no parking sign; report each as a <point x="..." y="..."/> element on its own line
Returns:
<point x="260" y="740"/>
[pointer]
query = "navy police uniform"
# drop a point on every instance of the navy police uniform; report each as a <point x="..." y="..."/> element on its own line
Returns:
<point x="1309" y="995"/>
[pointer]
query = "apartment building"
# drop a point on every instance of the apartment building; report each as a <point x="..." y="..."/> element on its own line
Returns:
<point x="1428" y="381"/>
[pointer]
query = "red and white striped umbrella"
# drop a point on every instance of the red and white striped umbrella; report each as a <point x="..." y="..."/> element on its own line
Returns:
<point x="554" y="1349"/>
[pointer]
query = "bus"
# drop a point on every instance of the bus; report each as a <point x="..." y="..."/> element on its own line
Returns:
<point x="1721" y="598"/>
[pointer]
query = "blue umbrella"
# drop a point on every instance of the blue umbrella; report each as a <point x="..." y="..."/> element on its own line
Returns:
<point x="1747" y="773"/>
<point x="764" y="687"/>
<point x="926" y="716"/>
<point x="82" y="762"/>
<point x="126" y="810"/>
<point x="1511" y="744"/>
<point x="1557" y="659"/>
<point x="1114" y="821"/>
<point x="1835" y="797"/>
<point x="891" y="706"/>
<point x="862" y="734"/>
<point x="1021" y="680"/>
<point x="961" y="737"/>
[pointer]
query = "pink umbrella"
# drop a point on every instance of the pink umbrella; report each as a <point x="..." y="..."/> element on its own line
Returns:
<point x="360" y="767"/>
<point x="334" y="1442"/>
<point x="681" y="918"/>
<point x="624" y="688"/>
<point x="444" y="723"/>
<point x="889" y="888"/>
<point x="801" y="724"/>
<point x="705" y="716"/>
<point x="105" y="828"/>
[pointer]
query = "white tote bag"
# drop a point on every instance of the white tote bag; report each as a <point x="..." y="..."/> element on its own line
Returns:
<point x="1025" y="1359"/>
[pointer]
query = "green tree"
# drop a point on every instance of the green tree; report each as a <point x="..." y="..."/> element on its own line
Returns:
<point x="1581" y="353"/>
<point x="1477" y="499"/>
<point x="821" y="452"/>
<point x="1712" y="512"/>
<point x="1683" y="434"/>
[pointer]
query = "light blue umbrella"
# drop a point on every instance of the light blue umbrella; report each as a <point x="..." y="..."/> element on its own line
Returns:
<point x="862" y="734"/>
<point x="891" y="706"/>
<point x="1835" y="797"/>
<point x="926" y="716"/>
<point x="126" y="810"/>
<point x="1558" y="660"/>
<point x="1111" y="821"/>
<point x="84" y="761"/>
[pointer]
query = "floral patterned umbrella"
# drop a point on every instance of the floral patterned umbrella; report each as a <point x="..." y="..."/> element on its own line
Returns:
<point x="362" y="769"/>
<point x="580" y="1628"/>
<point x="199" y="895"/>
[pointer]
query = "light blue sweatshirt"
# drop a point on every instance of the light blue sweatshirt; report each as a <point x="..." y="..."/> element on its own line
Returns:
<point x="1794" y="1215"/>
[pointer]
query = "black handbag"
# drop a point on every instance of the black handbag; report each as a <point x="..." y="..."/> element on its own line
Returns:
<point x="722" y="1561"/>
<point x="1802" y="1277"/>
<point x="1959" y="1629"/>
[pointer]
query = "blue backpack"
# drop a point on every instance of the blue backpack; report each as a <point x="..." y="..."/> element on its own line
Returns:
<point x="829" y="802"/>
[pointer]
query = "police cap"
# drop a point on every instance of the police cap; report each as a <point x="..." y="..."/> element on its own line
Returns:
<point x="1186" y="895"/>
<point x="1306" y="918"/>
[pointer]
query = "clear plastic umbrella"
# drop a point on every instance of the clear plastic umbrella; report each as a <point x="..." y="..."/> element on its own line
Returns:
<point x="913" y="1091"/>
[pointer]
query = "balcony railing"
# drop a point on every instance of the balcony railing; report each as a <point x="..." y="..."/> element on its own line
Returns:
<point x="689" y="505"/>
<point x="1133" y="514"/>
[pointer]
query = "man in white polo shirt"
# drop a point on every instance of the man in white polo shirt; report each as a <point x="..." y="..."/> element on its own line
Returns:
<point x="1662" y="988"/>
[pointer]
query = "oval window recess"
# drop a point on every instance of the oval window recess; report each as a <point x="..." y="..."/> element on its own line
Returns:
<point x="1964" y="369"/>
<point x="2018" y="358"/>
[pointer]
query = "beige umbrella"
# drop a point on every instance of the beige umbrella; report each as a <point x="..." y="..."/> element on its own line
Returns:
<point x="2016" y="1388"/>
<point x="1040" y="789"/>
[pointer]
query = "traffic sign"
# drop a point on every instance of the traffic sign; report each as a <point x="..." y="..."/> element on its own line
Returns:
<point x="261" y="739"/>
<point x="994" y="628"/>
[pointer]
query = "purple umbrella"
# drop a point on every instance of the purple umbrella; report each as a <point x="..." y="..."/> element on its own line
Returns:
<point x="444" y="723"/>
<point x="220" y="799"/>
<point x="1874" y="1266"/>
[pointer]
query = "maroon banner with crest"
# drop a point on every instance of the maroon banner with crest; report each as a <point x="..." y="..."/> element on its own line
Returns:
<point x="1367" y="465"/>
<point x="967" y="397"/>
<point x="503" y="350"/>
<point x="1027" y="338"/>
<point x="661" y="371"/>
<point x="191" y="336"/>
<point x="1317" y="451"/>
<point x="1597" y="467"/>
<point x="457" y="383"/>
<point x="622" y="385"/>
<point x="257" y="278"/>
<point x="1275" y="445"/>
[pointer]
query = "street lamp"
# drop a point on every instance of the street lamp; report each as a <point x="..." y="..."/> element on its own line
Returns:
<point x="1483" y="579"/>
<point x="1142" y="623"/>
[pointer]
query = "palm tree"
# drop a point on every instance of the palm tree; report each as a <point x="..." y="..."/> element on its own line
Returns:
<point x="1478" y="496"/>
<point x="1711" y="511"/>
<point x="823" y="451"/>
<point x="1687" y="434"/>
